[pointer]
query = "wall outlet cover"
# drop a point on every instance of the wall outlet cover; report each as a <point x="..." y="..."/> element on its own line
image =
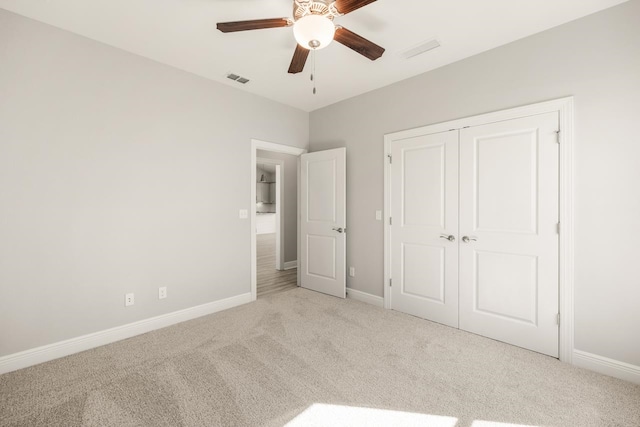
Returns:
<point x="129" y="300"/>
<point x="162" y="292"/>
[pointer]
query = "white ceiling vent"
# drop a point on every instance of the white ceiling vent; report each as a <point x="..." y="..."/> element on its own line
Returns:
<point x="421" y="48"/>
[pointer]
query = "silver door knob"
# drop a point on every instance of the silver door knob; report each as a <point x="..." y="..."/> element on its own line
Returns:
<point x="338" y="229"/>
<point x="450" y="237"/>
<point x="467" y="239"/>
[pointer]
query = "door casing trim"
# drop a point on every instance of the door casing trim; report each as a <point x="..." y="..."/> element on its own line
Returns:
<point x="564" y="107"/>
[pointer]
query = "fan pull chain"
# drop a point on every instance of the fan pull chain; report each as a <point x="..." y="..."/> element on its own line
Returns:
<point x="313" y="73"/>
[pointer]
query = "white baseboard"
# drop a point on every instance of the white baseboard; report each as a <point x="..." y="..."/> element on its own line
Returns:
<point x="290" y="265"/>
<point x="365" y="297"/>
<point x="53" y="351"/>
<point x="604" y="365"/>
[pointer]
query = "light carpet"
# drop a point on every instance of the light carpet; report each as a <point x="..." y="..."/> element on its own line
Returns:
<point x="303" y="358"/>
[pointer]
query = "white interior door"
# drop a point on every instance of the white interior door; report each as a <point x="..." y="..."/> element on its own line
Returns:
<point x="323" y="221"/>
<point x="424" y="227"/>
<point x="509" y="190"/>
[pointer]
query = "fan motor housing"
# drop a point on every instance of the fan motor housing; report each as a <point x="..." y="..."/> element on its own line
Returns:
<point x="324" y="8"/>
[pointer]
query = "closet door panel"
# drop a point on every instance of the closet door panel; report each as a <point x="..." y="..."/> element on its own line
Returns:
<point x="424" y="200"/>
<point x="509" y="184"/>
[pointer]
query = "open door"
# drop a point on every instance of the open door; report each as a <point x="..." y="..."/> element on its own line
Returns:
<point x="323" y="221"/>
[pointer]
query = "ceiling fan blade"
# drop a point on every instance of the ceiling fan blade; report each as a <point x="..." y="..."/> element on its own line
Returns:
<point x="256" y="24"/>
<point x="361" y="45"/>
<point x="299" y="59"/>
<point x="346" y="6"/>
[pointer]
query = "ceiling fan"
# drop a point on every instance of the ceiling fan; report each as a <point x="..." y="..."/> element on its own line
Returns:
<point x="314" y="29"/>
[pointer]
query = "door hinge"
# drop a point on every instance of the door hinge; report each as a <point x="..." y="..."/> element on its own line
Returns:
<point x="558" y="136"/>
<point x="390" y="158"/>
<point x="390" y="221"/>
<point x="558" y="228"/>
<point x="558" y="319"/>
<point x="390" y="283"/>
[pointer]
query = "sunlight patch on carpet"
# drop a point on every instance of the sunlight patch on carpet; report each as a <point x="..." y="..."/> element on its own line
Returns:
<point x="479" y="423"/>
<point x="320" y="414"/>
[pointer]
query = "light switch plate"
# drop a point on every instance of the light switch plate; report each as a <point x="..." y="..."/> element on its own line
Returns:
<point x="352" y="272"/>
<point x="379" y="215"/>
<point x="244" y="214"/>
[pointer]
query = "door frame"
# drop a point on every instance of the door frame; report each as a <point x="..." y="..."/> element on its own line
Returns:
<point x="256" y="145"/>
<point x="279" y="164"/>
<point x="564" y="107"/>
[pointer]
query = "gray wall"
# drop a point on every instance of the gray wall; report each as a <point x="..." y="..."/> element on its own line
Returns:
<point x="289" y="201"/>
<point x="118" y="174"/>
<point x="596" y="59"/>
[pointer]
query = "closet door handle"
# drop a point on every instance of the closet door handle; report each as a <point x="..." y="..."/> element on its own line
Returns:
<point x="339" y="229"/>
<point x="450" y="237"/>
<point x="467" y="239"/>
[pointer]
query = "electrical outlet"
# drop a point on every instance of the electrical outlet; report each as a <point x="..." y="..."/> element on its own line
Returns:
<point x="129" y="300"/>
<point x="162" y="292"/>
<point x="379" y="215"/>
<point x="352" y="272"/>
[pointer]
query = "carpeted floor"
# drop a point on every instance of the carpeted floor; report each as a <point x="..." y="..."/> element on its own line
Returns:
<point x="302" y="358"/>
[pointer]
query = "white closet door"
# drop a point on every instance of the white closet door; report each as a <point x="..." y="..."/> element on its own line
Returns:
<point x="509" y="194"/>
<point x="424" y="200"/>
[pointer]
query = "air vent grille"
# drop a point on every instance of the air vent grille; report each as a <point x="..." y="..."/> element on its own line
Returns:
<point x="421" y="48"/>
<point x="237" y="78"/>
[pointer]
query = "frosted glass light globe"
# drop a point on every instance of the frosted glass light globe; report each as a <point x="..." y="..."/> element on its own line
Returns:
<point x="314" y="31"/>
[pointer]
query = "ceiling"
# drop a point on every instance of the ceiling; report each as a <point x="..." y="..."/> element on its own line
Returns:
<point x="182" y="33"/>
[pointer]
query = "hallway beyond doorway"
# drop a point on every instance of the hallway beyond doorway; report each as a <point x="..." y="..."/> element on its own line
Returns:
<point x="270" y="280"/>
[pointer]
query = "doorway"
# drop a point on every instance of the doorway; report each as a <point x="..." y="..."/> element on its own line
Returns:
<point x="269" y="217"/>
<point x="276" y="210"/>
<point x="274" y="259"/>
<point x="320" y="218"/>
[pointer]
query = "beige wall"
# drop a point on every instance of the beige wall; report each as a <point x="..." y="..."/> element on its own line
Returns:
<point x="290" y="201"/>
<point x="118" y="174"/>
<point x="596" y="59"/>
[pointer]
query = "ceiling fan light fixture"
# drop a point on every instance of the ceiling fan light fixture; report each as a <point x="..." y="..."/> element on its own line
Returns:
<point x="314" y="31"/>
